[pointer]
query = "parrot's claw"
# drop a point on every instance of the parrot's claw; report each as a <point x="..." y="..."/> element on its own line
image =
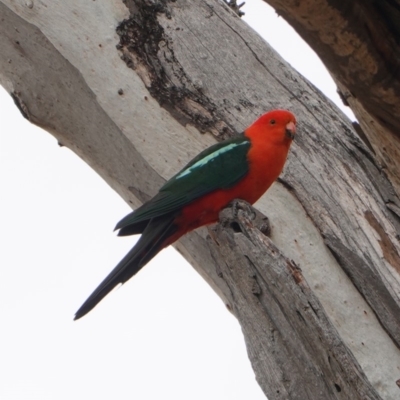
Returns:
<point x="259" y="220"/>
<point x="241" y="205"/>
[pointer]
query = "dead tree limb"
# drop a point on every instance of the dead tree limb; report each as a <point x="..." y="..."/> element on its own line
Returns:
<point x="136" y="91"/>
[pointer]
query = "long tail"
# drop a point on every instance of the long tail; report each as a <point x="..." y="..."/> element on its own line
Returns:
<point x="153" y="240"/>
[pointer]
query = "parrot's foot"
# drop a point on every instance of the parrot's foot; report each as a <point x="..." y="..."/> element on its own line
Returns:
<point x="239" y="207"/>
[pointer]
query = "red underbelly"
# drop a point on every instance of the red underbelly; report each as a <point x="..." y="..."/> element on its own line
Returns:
<point x="206" y="210"/>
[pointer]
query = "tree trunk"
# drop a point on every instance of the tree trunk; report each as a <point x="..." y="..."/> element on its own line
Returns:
<point x="359" y="42"/>
<point x="295" y="349"/>
<point x="136" y="90"/>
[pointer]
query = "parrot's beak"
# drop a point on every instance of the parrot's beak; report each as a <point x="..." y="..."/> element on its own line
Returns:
<point x="290" y="130"/>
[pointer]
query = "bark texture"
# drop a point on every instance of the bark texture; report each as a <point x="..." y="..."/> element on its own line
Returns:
<point x="359" y="42"/>
<point x="293" y="342"/>
<point x="136" y="90"/>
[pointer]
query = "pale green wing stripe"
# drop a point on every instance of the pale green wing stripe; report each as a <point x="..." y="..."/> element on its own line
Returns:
<point x="209" y="158"/>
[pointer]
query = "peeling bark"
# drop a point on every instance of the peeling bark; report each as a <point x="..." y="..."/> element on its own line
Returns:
<point x="358" y="41"/>
<point x="149" y="87"/>
<point x="295" y="350"/>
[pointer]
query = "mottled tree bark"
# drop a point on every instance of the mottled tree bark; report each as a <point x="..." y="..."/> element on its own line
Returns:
<point x="359" y="42"/>
<point x="295" y="349"/>
<point x="137" y="89"/>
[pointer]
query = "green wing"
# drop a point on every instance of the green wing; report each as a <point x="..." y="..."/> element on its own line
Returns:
<point x="219" y="167"/>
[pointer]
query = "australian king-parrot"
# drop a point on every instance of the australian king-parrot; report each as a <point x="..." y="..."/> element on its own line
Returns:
<point x="243" y="167"/>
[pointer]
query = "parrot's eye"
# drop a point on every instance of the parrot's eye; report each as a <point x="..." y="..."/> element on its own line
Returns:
<point x="272" y="122"/>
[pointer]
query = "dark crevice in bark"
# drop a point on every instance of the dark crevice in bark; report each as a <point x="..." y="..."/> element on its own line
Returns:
<point x="146" y="48"/>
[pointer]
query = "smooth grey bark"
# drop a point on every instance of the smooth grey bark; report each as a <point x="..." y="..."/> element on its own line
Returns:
<point x="185" y="67"/>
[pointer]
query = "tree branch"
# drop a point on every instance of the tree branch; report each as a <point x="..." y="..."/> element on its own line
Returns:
<point x="198" y="74"/>
<point x="358" y="41"/>
<point x="295" y="350"/>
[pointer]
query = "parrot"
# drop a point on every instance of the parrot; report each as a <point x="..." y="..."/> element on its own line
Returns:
<point x="242" y="167"/>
